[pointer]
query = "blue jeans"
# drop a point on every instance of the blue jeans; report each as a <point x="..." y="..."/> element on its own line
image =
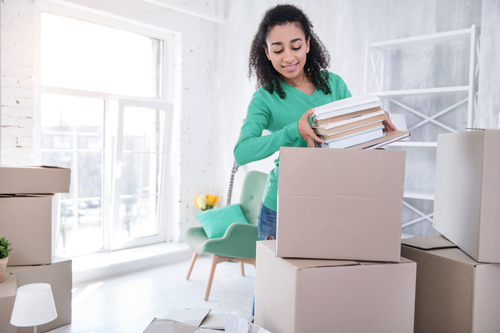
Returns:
<point x="267" y="227"/>
<point x="267" y="223"/>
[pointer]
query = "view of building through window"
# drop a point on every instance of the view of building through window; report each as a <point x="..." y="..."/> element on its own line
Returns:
<point x="86" y="69"/>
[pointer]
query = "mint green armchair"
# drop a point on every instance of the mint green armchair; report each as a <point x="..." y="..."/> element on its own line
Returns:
<point x="238" y="243"/>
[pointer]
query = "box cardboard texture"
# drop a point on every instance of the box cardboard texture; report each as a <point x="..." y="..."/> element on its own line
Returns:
<point x="26" y="221"/>
<point x="34" y="180"/>
<point x="467" y="192"/>
<point x="59" y="276"/>
<point x="8" y="290"/>
<point x="298" y="295"/>
<point x="455" y="294"/>
<point x="340" y="204"/>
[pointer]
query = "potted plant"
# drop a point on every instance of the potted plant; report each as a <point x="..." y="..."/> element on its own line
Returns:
<point x="4" y="256"/>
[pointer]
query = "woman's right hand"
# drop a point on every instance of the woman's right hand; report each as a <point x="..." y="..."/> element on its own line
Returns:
<point x="305" y="131"/>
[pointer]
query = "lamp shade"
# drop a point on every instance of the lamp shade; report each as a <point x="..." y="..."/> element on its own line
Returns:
<point x="34" y="305"/>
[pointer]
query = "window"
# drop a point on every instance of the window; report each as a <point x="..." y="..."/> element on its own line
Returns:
<point x="103" y="114"/>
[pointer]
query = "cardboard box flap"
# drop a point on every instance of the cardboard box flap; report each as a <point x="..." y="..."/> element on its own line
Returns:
<point x="457" y="255"/>
<point x="315" y="263"/>
<point x="192" y="317"/>
<point x="169" y="326"/>
<point x="270" y="245"/>
<point x="217" y="321"/>
<point x="402" y="261"/>
<point x="340" y="177"/>
<point x="452" y="253"/>
<point x="428" y="243"/>
<point x="214" y="321"/>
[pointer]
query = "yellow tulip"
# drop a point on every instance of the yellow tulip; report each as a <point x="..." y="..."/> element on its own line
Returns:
<point x="211" y="199"/>
<point x="200" y="202"/>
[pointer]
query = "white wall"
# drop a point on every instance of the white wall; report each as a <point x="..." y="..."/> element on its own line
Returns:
<point x="17" y="60"/>
<point x="489" y="77"/>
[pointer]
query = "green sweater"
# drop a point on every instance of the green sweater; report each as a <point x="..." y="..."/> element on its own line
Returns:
<point x="280" y="117"/>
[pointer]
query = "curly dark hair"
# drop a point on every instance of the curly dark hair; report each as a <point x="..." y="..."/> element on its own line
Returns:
<point x="318" y="58"/>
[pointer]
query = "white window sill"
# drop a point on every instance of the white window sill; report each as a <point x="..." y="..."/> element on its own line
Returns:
<point x="102" y="265"/>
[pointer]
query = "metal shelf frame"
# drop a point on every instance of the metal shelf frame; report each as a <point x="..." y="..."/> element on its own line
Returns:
<point x="375" y="54"/>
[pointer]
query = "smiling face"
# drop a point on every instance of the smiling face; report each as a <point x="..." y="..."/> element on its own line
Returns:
<point x="287" y="50"/>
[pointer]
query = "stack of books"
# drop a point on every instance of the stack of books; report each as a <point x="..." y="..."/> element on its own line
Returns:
<point x="352" y="122"/>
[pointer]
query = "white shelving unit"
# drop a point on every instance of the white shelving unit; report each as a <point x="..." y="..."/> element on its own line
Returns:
<point x="374" y="81"/>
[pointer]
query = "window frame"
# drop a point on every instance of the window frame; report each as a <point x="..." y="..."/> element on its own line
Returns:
<point x="114" y="220"/>
<point x="171" y="40"/>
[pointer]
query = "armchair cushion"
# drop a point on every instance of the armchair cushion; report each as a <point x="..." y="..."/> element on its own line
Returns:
<point x="216" y="221"/>
<point x="238" y="241"/>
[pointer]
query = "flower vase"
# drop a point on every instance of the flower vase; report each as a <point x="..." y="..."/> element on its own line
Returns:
<point x="3" y="266"/>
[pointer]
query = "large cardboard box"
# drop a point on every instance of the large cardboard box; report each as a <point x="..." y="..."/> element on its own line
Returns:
<point x="34" y="180"/>
<point x="26" y="221"/>
<point x="298" y="295"/>
<point x="8" y="290"/>
<point x="59" y="276"/>
<point x="467" y="192"/>
<point x="455" y="294"/>
<point x="340" y="204"/>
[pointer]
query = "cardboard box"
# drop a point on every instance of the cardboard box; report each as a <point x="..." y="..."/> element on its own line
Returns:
<point x="455" y="294"/>
<point x="34" y="180"/>
<point x="297" y="295"/>
<point x="197" y="320"/>
<point x="8" y="290"/>
<point x="26" y="221"/>
<point x="59" y="276"/>
<point x="467" y="192"/>
<point x="340" y="204"/>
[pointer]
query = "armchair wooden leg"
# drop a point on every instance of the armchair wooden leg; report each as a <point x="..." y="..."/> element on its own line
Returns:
<point x="195" y="255"/>
<point x="211" y="277"/>
<point x="242" y="268"/>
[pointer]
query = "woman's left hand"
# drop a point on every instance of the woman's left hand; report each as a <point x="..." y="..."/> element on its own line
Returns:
<point x="388" y="125"/>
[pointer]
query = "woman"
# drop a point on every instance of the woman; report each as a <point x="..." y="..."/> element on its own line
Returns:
<point x="290" y="64"/>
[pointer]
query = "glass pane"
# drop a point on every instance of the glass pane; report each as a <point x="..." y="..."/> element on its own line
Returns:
<point x="90" y="123"/>
<point x="148" y="223"/>
<point x="90" y="219"/>
<point x="68" y="226"/>
<point x="81" y="228"/>
<point x="150" y="173"/>
<point x="137" y="218"/>
<point x="63" y="160"/>
<point x="89" y="175"/>
<point x="58" y="119"/>
<point x="142" y="128"/>
<point x="131" y="174"/>
<point x="129" y="218"/>
<point x="59" y="52"/>
<point x="98" y="58"/>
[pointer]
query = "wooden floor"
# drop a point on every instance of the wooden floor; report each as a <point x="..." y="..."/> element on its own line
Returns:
<point x="128" y="303"/>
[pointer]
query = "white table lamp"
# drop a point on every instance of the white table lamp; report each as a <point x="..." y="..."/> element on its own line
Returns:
<point x="34" y="305"/>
